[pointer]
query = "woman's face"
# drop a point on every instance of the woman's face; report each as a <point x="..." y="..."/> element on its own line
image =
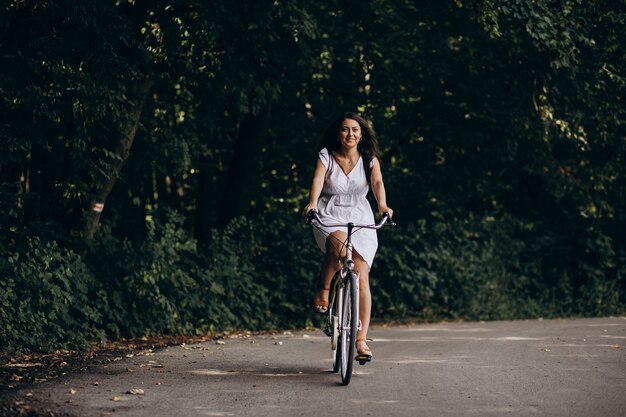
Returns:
<point x="350" y="134"/>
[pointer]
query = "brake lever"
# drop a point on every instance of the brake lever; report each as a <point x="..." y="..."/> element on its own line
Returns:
<point x="389" y="221"/>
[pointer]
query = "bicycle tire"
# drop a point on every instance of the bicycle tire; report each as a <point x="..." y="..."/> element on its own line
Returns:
<point x="349" y="327"/>
<point x="337" y="358"/>
<point x="335" y="325"/>
<point x="334" y="310"/>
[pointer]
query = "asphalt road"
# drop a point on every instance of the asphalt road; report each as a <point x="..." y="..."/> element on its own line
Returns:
<point x="548" y="368"/>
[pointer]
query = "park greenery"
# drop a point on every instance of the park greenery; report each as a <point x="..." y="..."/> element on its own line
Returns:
<point x="502" y="127"/>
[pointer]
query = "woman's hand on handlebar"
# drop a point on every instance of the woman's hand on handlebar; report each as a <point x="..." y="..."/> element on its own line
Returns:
<point x="307" y="209"/>
<point x="382" y="210"/>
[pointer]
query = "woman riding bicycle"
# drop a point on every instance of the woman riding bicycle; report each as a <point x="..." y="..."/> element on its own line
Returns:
<point x="348" y="166"/>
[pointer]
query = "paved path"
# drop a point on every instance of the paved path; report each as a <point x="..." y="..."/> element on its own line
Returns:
<point x="548" y="368"/>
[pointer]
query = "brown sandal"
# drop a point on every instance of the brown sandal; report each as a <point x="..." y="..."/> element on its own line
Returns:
<point x="319" y="304"/>
<point x="363" y="354"/>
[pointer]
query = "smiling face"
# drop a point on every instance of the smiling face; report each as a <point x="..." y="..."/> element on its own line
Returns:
<point x="350" y="134"/>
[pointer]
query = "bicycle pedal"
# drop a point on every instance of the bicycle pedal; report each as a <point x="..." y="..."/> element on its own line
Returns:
<point x="362" y="359"/>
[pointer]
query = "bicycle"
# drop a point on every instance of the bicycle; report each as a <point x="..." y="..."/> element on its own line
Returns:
<point x="343" y="306"/>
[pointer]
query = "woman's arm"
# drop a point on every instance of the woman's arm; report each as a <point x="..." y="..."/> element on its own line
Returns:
<point x="378" y="187"/>
<point x="316" y="187"/>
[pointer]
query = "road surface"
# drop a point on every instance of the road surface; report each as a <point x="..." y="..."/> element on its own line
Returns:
<point x="570" y="368"/>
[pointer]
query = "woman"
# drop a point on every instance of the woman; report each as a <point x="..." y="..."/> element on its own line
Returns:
<point x="348" y="165"/>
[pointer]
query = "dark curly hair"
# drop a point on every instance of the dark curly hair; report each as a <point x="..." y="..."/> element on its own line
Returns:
<point x="368" y="146"/>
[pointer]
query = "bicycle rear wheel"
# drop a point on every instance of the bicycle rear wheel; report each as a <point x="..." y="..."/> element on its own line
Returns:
<point x="349" y="323"/>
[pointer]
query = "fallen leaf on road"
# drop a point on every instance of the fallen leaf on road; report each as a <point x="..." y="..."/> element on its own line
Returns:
<point x="546" y="350"/>
<point x="220" y="342"/>
<point x="278" y="343"/>
<point x="615" y="346"/>
<point x="25" y="409"/>
<point x="116" y="398"/>
<point x="72" y="391"/>
<point x="136" y="391"/>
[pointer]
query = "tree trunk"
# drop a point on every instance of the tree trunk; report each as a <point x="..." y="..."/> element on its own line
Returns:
<point x="244" y="167"/>
<point x="139" y="94"/>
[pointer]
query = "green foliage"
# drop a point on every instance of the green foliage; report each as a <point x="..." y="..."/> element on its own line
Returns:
<point x="244" y="280"/>
<point x="454" y="270"/>
<point x="487" y="269"/>
<point x="261" y="273"/>
<point x="44" y="298"/>
<point x="146" y="285"/>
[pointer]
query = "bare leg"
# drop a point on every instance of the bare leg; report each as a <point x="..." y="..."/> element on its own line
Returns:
<point x="365" y="301"/>
<point x="335" y="250"/>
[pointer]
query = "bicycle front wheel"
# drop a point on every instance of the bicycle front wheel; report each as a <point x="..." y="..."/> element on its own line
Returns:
<point x="349" y="323"/>
<point x="337" y="357"/>
<point x="335" y="326"/>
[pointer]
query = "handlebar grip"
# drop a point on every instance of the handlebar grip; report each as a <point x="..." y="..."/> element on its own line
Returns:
<point x="388" y="219"/>
<point x="311" y="215"/>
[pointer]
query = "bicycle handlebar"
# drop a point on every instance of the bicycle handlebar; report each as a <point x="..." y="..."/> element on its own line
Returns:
<point x="314" y="215"/>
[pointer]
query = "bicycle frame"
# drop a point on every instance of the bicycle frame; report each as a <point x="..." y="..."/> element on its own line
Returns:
<point x="348" y="262"/>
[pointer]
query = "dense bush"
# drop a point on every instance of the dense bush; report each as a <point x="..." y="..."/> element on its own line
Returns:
<point x="44" y="298"/>
<point x="487" y="268"/>
<point x="167" y="285"/>
<point x="260" y="273"/>
<point x="254" y="275"/>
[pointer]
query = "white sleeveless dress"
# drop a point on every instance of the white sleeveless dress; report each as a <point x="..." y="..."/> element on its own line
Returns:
<point x="343" y="200"/>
